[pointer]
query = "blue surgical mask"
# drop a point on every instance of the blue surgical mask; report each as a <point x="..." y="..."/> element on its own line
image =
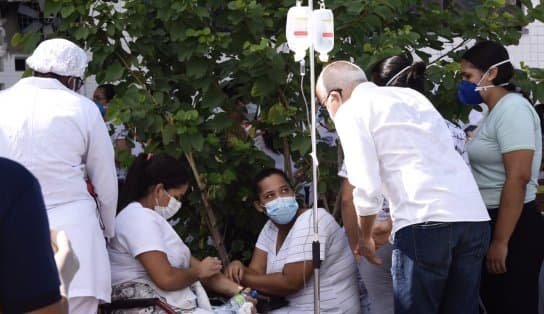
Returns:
<point x="469" y="93"/>
<point x="282" y="210"/>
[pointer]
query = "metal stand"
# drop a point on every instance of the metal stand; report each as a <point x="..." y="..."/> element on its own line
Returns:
<point x="315" y="244"/>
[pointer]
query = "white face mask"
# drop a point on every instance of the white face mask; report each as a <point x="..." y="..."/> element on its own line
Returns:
<point x="479" y="88"/>
<point x="168" y="211"/>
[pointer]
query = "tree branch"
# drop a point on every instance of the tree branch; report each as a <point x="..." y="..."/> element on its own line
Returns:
<point x="208" y="213"/>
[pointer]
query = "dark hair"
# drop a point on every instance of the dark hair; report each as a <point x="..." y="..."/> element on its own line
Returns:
<point x="265" y="173"/>
<point x="487" y="53"/>
<point x="149" y="170"/>
<point x="386" y="69"/>
<point x="470" y="128"/>
<point x="109" y="91"/>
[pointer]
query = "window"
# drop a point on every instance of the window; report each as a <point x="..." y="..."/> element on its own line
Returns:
<point x="20" y="64"/>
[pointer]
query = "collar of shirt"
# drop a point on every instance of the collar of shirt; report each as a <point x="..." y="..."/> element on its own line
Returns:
<point x="42" y="82"/>
<point x="361" y="88"/>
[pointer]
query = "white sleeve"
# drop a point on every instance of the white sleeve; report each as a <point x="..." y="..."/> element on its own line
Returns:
<point x="361" y="160"/>
<point x="130" y="235"/>
<point x="343" y="173"/>
<point x="300" y="246"/>
<point x="266" y="239"/>
<point x="100" y="165"/>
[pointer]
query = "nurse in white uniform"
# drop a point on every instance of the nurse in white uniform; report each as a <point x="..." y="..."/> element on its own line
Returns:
<point x="61" y="138"/>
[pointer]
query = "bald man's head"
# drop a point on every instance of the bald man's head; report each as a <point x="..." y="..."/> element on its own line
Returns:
<point x="337" y="81"/>
<point x="341" y="75"/>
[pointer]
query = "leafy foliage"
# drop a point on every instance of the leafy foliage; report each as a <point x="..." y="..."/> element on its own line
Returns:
<point x="183" y="67"/>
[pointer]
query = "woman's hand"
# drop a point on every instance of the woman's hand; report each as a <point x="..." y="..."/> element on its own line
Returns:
<point x="235" y="271"/>
<point x="496" y="257"/>
<point x="208" y="267"/>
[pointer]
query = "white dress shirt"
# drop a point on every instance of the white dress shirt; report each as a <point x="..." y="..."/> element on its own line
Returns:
<point x="396" y="144"/>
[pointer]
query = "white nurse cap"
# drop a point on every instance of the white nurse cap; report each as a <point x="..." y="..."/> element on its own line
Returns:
<point x="59" y="56"/>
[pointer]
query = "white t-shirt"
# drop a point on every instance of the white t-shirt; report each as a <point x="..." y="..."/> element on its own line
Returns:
<point x="338" y="279"/>
<point x="139" y="230"/>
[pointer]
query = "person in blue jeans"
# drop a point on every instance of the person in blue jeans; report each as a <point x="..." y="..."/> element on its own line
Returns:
<point x="396" y="145"/>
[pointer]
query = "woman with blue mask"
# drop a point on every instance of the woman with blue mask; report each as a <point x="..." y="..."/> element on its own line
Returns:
<point x="505" y="156"/>
<point x="148" y="258"/>
<point x="281" y="264"/>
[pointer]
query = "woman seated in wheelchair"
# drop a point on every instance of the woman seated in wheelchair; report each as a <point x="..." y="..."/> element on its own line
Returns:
<point x="148" y="258"/>
<point x="282" y="265"/>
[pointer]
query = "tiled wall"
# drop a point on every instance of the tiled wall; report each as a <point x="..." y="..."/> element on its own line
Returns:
<point x="531" y="47"/>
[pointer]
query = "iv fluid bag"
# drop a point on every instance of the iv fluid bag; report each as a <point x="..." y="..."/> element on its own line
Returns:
<point x="297" y="30"/>
<point x="323" y="32"/>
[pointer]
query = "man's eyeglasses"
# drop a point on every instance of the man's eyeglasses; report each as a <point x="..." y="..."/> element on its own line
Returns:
<point x="322" y="104"/>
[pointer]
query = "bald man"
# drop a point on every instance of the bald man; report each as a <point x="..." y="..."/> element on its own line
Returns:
<point x="397" y="145"/>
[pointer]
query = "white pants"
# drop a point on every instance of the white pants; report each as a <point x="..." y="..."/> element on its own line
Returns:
<point x="83" y="305"/>
<point x="378" y="281"/>
<point x="79" y="220"/>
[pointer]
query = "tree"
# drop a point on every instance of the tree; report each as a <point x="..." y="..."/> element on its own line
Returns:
<point x="184" y="67"/>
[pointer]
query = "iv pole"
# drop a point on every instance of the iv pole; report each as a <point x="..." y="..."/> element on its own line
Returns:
<point x="295" y="29"/>
<point x="315" y="244"/>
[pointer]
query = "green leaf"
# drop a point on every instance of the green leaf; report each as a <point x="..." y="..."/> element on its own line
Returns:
<point x="52" y="7"/>
<point x="67" y="10"/>
<point x="219" y="121"/>
<point x="197" y="69"/>
<point x="262" y="87"/>
<point x="168" y="133"/>
<point x="301" y="144"/>
<point x="81" y="33"/>
<point x="114" y="72"/>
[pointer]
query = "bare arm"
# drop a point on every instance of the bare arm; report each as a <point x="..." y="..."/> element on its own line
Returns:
<point x="171" y="278"/>
<point x="289" y="281"/>
<point x="517" y="165"/>
<point x="236" y="270"/>
<point x="366" y="246"/>
<point x="349" y="216"/>
<point x="219" y="283"/>
<point x="60" y="307"/>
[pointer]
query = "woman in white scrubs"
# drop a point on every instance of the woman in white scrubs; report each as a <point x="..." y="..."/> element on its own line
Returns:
<point x="61" y="138"/>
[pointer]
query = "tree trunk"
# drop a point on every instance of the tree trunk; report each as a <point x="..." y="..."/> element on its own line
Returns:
<point x="208" y="213"/>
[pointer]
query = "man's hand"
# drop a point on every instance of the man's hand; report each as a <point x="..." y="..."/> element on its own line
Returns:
<point x="496" y="257"/>
<point x="381" y="231"/>
<point x="367" y="248"/>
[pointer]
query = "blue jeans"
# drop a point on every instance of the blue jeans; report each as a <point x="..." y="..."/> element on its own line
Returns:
<point x="437" y="266"/>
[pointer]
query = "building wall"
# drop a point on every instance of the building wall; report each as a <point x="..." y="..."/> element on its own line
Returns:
<point x="530" y="48"/>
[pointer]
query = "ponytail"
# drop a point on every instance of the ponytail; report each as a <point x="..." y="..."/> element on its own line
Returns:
<point x="135" y="182"/>
<point x="147" y="171"/>
<point x="511" y="87"/>
<point x="399" y="71"/>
